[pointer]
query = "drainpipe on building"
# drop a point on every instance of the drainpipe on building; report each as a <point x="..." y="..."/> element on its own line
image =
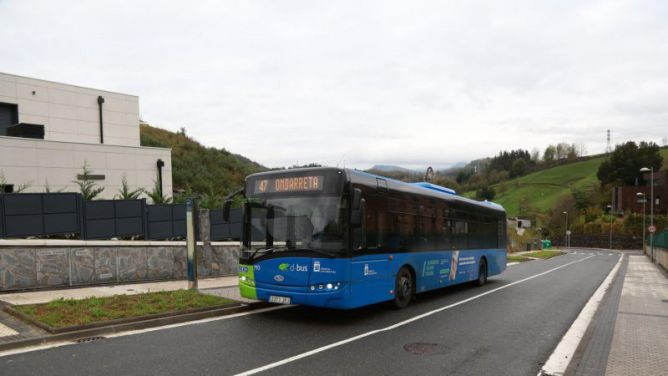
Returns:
<point x="160" y="163"/>
<point x="100" y="100"/>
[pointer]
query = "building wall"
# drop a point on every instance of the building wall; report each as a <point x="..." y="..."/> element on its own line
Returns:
<point x="627" y="200"/>
<point x="37" y="162"/>
<point x="70" y="113"/>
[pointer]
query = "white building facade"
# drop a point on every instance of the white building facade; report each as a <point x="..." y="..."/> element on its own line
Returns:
<point x="49" y="130"/>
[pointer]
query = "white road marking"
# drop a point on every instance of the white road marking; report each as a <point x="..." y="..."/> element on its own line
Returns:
<point x="399" y="324"/>
<point x="139" y="331"/>
<point x="512" y="263"/>
<point x="563" y="353"/>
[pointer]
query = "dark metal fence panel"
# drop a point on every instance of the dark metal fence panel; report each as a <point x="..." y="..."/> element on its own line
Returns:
<point x="166" y="221"/>
<point x="222" y="230"/>
<point x="2" y="216"/>
<point x="39" y="214"/>
<point x="179" y="221"/>
<point x="104" y="219"/>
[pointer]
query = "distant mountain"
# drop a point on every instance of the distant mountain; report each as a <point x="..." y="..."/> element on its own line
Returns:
<point x="391" y="168"/>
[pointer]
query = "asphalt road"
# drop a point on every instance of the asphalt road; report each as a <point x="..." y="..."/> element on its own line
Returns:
<point x="510" y="330"/>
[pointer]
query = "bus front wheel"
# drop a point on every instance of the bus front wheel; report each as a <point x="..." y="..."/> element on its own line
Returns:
<point x="482" y="273"/>
<point x="403" y="288"/>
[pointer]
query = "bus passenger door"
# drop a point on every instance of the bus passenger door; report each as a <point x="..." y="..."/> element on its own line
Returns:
<point x="371" y="269"/>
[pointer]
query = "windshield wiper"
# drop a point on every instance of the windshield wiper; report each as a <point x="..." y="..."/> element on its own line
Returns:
<point x="318" y="251"/>
<point x="269" y="250"/>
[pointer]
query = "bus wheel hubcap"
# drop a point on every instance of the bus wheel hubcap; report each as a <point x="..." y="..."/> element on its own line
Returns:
<point x="405" y="288"/>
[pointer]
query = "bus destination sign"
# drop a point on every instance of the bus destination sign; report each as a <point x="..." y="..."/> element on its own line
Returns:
<point x="289" y="184"/>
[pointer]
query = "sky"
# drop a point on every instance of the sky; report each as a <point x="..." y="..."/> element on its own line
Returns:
<point x="360" y="83"/>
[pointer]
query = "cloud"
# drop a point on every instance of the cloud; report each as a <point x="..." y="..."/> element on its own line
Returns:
<point x="433" y="83"/>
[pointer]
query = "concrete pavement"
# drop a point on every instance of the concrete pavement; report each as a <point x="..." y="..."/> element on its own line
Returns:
<point x="640" y="340"/>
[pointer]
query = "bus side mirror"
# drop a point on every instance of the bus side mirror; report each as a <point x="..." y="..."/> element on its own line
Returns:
<point x="226" y="210"/>
<point x="357" y="208"/>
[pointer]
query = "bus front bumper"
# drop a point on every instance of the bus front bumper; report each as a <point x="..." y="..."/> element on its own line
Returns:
<point x="319" y="297"/>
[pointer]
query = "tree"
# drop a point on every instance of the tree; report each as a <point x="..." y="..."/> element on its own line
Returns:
<point x="519" y="168"/>
<point x="535" y="155"/>
<point x="549" y="154"/>
<point x="156" y="195"/>
<point x="623" y="166"/>
<point x="556" y="221"/>
<point x="563" y="150"/>
<point x="582" y="199"/>
<point x="485" y="193"/>
<point x="125" y="193"/>
<point x="87" y="186"/>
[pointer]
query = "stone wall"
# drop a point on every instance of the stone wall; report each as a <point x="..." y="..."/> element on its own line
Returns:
<point x="660" y="255"/>
<point x="27" y="266"/>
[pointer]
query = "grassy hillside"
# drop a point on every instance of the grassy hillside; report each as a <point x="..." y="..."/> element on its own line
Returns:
<point x="542" y="189"/>
<point x="198" y="168"/>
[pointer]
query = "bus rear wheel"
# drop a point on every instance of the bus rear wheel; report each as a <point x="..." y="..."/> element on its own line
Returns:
<point x="482" y="273"/>
<point x="403" y="288"/>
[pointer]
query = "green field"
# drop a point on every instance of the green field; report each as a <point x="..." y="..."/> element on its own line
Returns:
<point x="543" y="188"/>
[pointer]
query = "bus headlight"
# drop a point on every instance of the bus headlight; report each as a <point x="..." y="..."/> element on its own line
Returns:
<point x="246" y="280"/>
<point x="329" y="286"/>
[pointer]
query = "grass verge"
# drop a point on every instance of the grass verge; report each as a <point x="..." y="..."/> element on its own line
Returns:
<point x="517" y="258"/>
<point x="70" y="312"/>
<point x="544" y="254"/>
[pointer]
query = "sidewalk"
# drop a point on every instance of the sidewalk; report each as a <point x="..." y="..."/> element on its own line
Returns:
<point x="13" y="329"/>
<point x="35" y="297"/>
<point x="640" y="339"/>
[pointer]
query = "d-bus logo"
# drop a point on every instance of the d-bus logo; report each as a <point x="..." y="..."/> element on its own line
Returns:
<point x="262" y="185"/>
<point x="292" y="267"/>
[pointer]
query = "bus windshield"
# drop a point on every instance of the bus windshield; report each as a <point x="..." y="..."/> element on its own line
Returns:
<point x="280" y="224"/>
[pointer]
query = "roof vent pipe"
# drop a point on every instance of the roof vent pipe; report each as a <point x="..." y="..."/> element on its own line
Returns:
<point x="100" y="100"/>
<point x="160" y="164"/>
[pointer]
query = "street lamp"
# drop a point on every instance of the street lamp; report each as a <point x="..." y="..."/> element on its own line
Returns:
<point x="611" y="218"/>
<point x="566" y="236"/>
<point x="643" y="199"/>
<point x="651" y="207"/>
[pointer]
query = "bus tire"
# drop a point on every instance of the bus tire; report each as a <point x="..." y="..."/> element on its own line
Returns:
<point x="482" y="273"/>
<point x="404" y="288"/>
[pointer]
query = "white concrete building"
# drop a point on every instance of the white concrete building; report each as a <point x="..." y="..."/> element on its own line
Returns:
<point x="48" y="131"/>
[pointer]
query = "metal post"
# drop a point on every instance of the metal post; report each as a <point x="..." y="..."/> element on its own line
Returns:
<point x="611" y="219"/>
<point x="644" y="211"/>
<point x="651" y="211"/>
<point x="609" y="207"/>
<point x="191" y="211"/>
<point x="566" y="237"/>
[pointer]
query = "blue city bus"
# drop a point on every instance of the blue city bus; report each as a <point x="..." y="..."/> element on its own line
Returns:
<point x="342" y="238"/>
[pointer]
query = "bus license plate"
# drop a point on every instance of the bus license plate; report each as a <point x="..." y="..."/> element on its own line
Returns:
<point x="279" y="299"/>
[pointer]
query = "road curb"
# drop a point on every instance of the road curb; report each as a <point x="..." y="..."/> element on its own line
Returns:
<point x="135" y="325"/>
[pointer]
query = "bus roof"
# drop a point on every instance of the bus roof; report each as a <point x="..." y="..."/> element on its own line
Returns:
<point x="421" y="188"/>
